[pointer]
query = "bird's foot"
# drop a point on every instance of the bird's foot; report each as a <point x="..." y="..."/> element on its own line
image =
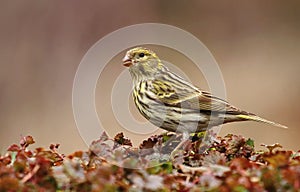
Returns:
<point x="177" y="155"/>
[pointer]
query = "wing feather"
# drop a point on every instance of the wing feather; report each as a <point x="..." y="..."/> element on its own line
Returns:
<point x="190" y="97"/>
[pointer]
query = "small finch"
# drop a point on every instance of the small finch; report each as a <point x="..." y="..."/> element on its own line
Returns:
<point x="172" y="103"/>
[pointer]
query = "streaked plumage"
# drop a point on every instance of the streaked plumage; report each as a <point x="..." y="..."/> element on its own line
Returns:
<point x="171" y="103"/>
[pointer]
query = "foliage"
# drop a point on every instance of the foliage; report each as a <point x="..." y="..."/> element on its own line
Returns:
<point x="224" y="164"/>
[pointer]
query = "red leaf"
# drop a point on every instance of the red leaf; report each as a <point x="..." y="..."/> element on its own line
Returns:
<point x="26" y="141"/>
<point x="13" y="148"/>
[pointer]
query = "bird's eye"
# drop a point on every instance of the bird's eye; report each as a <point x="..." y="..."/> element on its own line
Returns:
<point x="141" y="54"/>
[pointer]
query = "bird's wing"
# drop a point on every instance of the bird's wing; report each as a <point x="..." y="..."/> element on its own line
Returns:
<point x="184" y="95"/>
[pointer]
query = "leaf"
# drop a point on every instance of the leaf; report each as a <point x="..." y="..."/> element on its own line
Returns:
<point x="165" y="167"/>
<point x="120" y="139"/>
<point x="5" y="160"/>
<point x="103" y="137"/>
<point x="272" y="147"/>
<point x="26" y="141"/>
<point x="102" y="147"/>
<point x="149" y="143"/>
<point x="214" y="157"/>
<point x="13" y="148"/>
<point x="279" y="158"/>
<point x="54" y="147"/>
<point x="154" y="182"/>
<point x="250" y="142"/>
<point x="209" y="180"/>
<point x="230" y="164"/>
<point x="9" y="183"/>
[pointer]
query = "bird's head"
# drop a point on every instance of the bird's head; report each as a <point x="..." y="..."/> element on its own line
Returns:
<point x="142" y="63"/>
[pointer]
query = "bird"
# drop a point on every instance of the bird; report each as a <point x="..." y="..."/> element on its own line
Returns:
<point x="170" y="102"/>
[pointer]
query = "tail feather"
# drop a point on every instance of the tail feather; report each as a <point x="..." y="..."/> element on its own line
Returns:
<point x="262" y="120"/>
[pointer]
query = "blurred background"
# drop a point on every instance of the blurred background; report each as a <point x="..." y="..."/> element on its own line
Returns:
<point x="256" y="44"/>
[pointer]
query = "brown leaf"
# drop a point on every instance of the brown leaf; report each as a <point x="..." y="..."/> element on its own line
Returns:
<point x="13" y="148"/>
<point x="272" y="147"/>
<point x="120" y="139"/>
<point x="279" y="158"/>
<point x="26" y="141"/>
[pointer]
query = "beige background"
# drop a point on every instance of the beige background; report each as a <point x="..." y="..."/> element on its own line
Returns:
<point x="256" y="44"/>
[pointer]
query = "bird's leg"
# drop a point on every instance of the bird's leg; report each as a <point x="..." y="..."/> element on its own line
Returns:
<point x="209" y="137"/>
<point x="185" y="138"/>
<point x="207" y="140"/>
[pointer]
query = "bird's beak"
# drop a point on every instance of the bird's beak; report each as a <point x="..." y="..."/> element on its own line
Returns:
<point x="127" y="62"/>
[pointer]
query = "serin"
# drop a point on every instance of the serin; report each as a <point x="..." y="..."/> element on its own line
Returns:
<point x="172" y="103"/>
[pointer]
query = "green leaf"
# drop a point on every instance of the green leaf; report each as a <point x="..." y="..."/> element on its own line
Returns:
<point x="250" y="142"/>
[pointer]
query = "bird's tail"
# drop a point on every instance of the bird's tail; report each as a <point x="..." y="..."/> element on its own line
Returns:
<point x="262" y="120"/>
